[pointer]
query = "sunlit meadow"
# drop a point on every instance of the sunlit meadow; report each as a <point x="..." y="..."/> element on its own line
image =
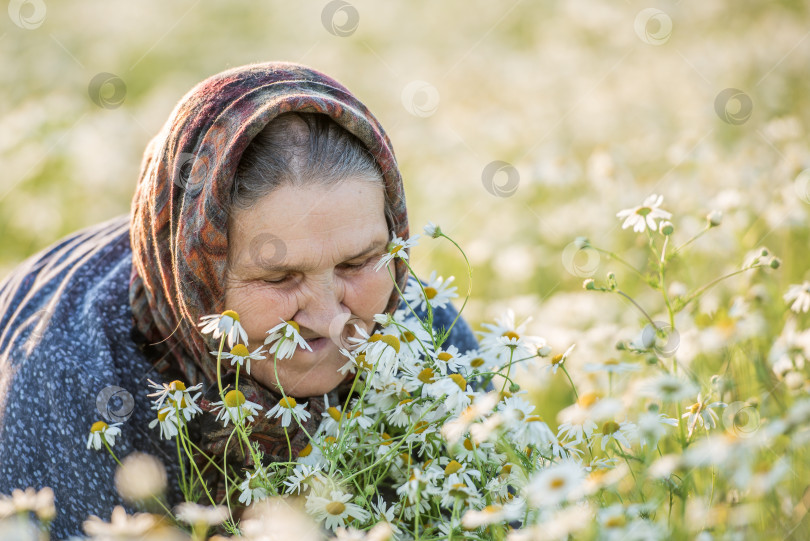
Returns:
<point x="667" y="396"/>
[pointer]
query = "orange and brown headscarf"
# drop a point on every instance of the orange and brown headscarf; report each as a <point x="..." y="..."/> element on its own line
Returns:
<point x="180" y="213"/>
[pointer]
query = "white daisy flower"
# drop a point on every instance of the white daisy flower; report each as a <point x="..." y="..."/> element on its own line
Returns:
<point x="311" y="456"/>
<point x="533" y="430"/>
<point x="176" y="395"/>
<point x="437" y="292"/>
<point x="301" y="475"/>
<point x="286" y="408"/>
<point x="167" y="419"/>
<point x="559" y="359"/>
<point x="285" y="339"/>
<point x="800" y="295"/>
<point x="101" y="432"/>
<point x="226" y="323"/>
<point x="335" y="509"/>
<point x="380" y="350"/>
<point x="235" y="407"/>
<point x="644" y="216"/>
<point x="253" y="487"/>
<point x="40" y="502"/>
<point x="702" y="414"/>
<point x="652" y="427"/>
<point x="195" y="514"/>
<point x="122" y="525"/>
<point x="433" y="230"/>
<point x="580" y="419"/>
<point x="458" y="492"/>
<point x="611" y="430"/>
<point x="611" y="366"/>
<point x="667" y="387"/>
<point x="451" y="360"/>
<point x="555" y="484"/>
<point x="396" y="248"/>
<point x="240" y="355"/>
<point x="504" y="336"/>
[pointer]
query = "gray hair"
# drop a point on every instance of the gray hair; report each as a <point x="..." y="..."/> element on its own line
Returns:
<point x="297" y="149"/>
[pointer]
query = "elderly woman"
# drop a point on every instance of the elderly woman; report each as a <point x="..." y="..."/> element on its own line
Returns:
<point x="271" y="191"/>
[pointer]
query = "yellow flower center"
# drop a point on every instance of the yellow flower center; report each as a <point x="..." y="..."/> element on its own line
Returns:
<point x="557" y="359"/>
<point x="444" y="356"/>
<point x="694" y="408"/>
<point x="588" y="399"/>
<point x="394" y="249"/>
<point x="506" y="470"/>
<point x="392" y="341"/>
<point x="294" y="325"/>
<point x="457" y="491"/>
<point x="287" y="402"/>
<point x="386" y="438"/>
<point x="333" y="413"/>
<point x="231" y="314"/>
<point x="162" y="414"/>
<point x="616" y="521"/>
<point x="459" y="380"/>
<point x="234" y="399"/>
<point x="477" y="362"/>
<point x="255" y="482"/>
<point x="177" y="385"/>
<point x="240" y="350"/>
<point x="404" y="401"/>
<point x="408" y="336"/>
<point x="452" y="467"/>
<point x="430" y="292"/>
<point x="420" y="427"/>
<point x="362" y="362"/>
<point x="511" y="334"/>
<point x="306" y="451"/>
<point x="612" y="362"/>
<point x="468" y="444"/>
<point x="610" y="427"/>
<point x="426" y="375"/>
<point x="335" y="508"/>
<point x="557" y="482"/>
<point x="331" y="440"/>
<point x="534" y="419"/>
<point x="98" y="426"/>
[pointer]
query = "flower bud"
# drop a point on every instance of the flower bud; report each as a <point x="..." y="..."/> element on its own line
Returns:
<point x="581" y="242"/>
<point x="589" y="284"/>
<point x="513" y="388"/>
<point x="714" y="218"/>
<point x="775" y="263"/>
<point x="611" y="278"/>
<point x="666" y="228"/>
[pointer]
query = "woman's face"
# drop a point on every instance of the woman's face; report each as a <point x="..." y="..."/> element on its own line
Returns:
<point x="307" y="254"/>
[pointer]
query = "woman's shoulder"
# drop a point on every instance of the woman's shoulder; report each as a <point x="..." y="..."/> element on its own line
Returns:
<point x="66" y="362"/>
<point x="447" y="317"/>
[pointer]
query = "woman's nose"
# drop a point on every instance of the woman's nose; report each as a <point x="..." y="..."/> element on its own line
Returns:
<point x="321" y="309"/>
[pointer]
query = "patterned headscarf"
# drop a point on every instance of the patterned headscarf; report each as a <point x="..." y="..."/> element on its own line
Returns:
<point x="181" y="205"/>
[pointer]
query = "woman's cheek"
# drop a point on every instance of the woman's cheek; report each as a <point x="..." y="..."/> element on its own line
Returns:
<point x="372" y="293"/>
<point x="264" y="310"/>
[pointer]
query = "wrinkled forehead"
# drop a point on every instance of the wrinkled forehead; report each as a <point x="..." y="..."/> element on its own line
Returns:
<point x="308" y="227"/>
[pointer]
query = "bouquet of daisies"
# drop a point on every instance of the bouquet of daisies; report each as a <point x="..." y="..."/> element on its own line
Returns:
<point x="435" y="443"/>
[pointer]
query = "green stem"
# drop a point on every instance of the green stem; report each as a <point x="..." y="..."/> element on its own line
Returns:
<point x="570" y="381"/>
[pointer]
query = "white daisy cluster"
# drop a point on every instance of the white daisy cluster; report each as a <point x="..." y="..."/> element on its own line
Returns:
<point x="438" y="443"/>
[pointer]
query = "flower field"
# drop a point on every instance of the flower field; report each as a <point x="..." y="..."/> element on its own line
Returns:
<point x="629" y="186"/>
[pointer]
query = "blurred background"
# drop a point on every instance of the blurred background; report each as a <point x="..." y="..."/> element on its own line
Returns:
<point x="518" y="126"/>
